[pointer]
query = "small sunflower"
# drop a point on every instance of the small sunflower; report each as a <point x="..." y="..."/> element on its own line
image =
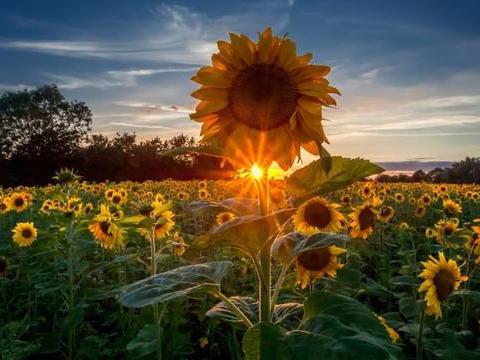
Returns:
<point x="363" y="220"/>
<point x="451" y="207"/>
<point x="19" y="201"/>
<point x="386" y="213"/>
<point x="318" y="215"/>
<point x="420" y="211"/>
<point x="425" y="199"/>
<point x="107" y="234"/>
<point x="445" y="228"/>
<point x="225" y="216"/>
<point x="3" y="206"/>
<point x="441" y="278"/>
<point x="164" y="224"/>
<point x="261" y="102"/>
<point x="24" y="234"/>
<point x="316" y="263"/>
<point x="399" y="198"/>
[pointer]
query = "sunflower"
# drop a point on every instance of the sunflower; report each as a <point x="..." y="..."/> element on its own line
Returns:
<point x="260" y="101"/>
<point x="346" y="200"/>
<point x="451" y="207"/>
<point x="203" y="194"/>
<point x="107" y="234"/>
<point x="445" y="228"/>
<point x="18" y="201"/>
<point x="386" y="213"/>
<point x="425" y="199"/>
<point x="399" y="198"/>
<point x="390" y="331"/>
<point x="3" y="206"/>
<point x="316" y="263"/>
<point x="164" y="224"/>
<point x="182" y="195"/>
<point x="430" y="233"/>
<point x="363" y="220"/>
<point x="225" y="216"/>
<point x="441" y="278"/>
<point x="318" y="215"/>
<point x="420" y="211"/>
<point x="24" y="234"/>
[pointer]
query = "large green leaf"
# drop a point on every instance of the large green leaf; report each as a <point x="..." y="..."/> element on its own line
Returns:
<point x="290" y="245"/>
<point x="248" y="233"/>
<point x="239" y="206"/>
<point x="313" y="180"/>
<point x="249" y="306"/>
<point x="180" y="282"/>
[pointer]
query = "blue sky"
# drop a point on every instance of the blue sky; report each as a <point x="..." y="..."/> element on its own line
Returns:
<point x="409" y="71"/>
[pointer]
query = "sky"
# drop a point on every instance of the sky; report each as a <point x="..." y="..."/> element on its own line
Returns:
<point x="409" y="71"/>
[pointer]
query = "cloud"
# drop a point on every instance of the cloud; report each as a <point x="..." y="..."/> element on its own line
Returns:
<point x="172" y="34"/>
<point x="18" y="87"/>
<point x="111" y="78"/>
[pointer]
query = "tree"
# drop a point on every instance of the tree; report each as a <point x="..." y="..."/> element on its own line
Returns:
<point x="40" y="123"/>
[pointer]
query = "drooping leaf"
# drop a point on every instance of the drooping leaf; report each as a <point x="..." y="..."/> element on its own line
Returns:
<point x="238" y="206"/>
<point x="320" y="240"/>
<point x="287" y="311"/>
<point x="248" y="305"/>
<point x="180" y="282"/>
<point x="313" y="180"/>
<point x="248" y="233"/>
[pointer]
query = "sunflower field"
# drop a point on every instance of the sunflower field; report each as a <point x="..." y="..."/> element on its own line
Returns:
<point x="325" y="263"/>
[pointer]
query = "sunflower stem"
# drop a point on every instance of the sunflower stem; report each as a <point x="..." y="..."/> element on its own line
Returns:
<point x="467" y="283"/>
<point x="157" y="316"/>
<point x="420" y="334"/>
<point x="264" y="291"/>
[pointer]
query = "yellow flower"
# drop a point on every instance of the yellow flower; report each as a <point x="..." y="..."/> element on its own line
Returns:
<point x="225" y="216"/>
<point x="24" y="234"/>
<point x="107" y="234"/>
<point x="164" y="224"/>
<point x="316" y="263"/>
<point x="318" y="215"/>
<point x="420" y="211"/>
<point x="363" y="220"/>
<point x="386" y="213"/>
<point x="261" y="102"/>
<point x="445" y="228"/>
<point x="451" y="207"/>
<point x="19" y="201"/>
<point x="441" y="278"/>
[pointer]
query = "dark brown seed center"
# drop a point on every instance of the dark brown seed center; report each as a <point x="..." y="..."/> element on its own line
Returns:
<point x="315" y="260"/>
<point x="444" y="282"/>
<point x="317" y="215"/>
<point x="27" y="233"/>
<point x="366" y="218"/>
<point x="262" y="97"/>
<point x="105" y="227"/>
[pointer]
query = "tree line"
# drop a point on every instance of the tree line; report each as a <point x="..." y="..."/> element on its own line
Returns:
<point x="41" y="132"/>
<point x="462" y="172"/>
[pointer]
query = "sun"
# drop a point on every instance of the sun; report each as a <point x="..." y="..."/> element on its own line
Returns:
<point x="256" y="171"/>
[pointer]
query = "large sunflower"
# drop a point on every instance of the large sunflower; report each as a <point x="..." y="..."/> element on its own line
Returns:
<point x="318" y="215"/>
<point x="316" y="263"/>
<point x="24" y="234"/>
<point x="441" y="278"/>
<point x="107" y="234"/>
<point x="19" y="201"/>
<point x="261" y="102"/>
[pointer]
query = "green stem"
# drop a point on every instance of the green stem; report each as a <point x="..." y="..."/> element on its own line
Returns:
<point x="467" y="283"/>
<point x="420" y="334"/>
<point x="71" y="293"/>
<point x="265" y="283"/>
<point x="157" y="316"/>
<point x="278" y="286"/>
<point x="234" y="308"/>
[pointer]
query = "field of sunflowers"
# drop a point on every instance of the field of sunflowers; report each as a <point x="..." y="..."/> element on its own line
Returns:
<point x="380" y="269"/>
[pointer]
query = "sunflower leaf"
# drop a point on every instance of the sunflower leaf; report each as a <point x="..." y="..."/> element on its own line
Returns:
<point x="312" y="180"/>
<point x="248" y="233"/>
<point x="177" y="283"/>
<point x="320" y="240"/>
